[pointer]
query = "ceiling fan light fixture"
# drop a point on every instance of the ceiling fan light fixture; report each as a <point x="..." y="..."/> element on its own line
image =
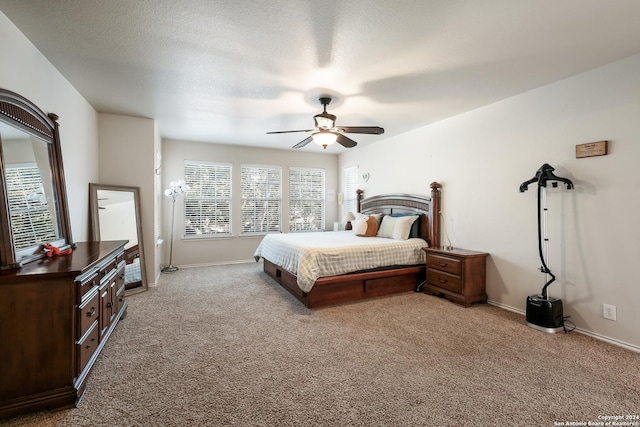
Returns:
<point x="324" y="138"/>
<point x="326" y="133"/>
<point x="325" y="121"/>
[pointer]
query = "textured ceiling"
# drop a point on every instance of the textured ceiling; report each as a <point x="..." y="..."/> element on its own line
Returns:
<point x="228" y="71"/>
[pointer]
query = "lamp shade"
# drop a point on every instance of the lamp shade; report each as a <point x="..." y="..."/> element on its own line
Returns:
<point x="348" y="218"/>
<point x="324" y="138"/>
<point x="176" y="188"/>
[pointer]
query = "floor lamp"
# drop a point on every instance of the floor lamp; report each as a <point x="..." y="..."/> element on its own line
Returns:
<point x="175" y="189"/>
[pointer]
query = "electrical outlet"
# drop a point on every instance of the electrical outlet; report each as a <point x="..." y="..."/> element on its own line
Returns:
<point x="609" y="311"/>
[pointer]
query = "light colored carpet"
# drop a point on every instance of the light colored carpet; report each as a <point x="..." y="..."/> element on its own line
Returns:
<point x="226" y="346"/>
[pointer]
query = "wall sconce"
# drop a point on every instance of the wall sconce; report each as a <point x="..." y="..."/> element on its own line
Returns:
<point x="158" y="167"/>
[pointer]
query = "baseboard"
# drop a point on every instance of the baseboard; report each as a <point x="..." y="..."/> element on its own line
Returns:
<point x="506" y="307"/>
<point x="212" y="264"/>
<point x="599" y="337"/>
<point x="613" y="341"/>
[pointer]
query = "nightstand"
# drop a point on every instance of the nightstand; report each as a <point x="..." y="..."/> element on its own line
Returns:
<point x="457" y="274"/>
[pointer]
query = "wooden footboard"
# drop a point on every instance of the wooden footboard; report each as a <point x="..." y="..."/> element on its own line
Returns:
<point x="349" y="287"/>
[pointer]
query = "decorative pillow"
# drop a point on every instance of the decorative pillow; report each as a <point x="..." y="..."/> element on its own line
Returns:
<point x="395" y="227"/>
<point x="360" y="225"/>
<point x="371" y="229"/>
<point x="415" y="227"/>
<point x="377" y="216"/>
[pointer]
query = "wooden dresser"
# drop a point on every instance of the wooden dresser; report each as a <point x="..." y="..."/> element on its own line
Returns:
<point x="457" y="274"/>
<point x="56" y="315"/>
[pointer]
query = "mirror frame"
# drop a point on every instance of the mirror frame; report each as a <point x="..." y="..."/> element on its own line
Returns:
<point x="95" y="225"/>
<point x="20" y="113"/>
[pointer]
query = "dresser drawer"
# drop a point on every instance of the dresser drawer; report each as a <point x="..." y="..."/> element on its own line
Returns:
<point x="444" y="280"/>
<point x="108" y="269"/>
<point x="87" y="313"/>
<point x="87" y="284"/>
<point x="444" y="263"/>
<point x="87" y="346"/>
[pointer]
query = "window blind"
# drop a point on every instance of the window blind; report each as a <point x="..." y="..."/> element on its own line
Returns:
<point x="350" y="187"/>
<point x="31" y="219"/>
<point x="261" y="193"/>
<point x="306" y="199"/>
<point x="207" y="206"/>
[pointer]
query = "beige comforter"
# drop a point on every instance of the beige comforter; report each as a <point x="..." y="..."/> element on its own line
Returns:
<point x="320" y="254"/>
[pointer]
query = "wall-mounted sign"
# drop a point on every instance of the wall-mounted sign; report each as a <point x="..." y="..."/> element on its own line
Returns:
<point x="591" y="149"/>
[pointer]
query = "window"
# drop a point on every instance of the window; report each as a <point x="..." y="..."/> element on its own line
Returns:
<point x="350" y="200"/>
<point x="306" y="199"/>
<point x="261" y="193"/>
<point x="207" y="206"/>
<point x="31" y="219"/>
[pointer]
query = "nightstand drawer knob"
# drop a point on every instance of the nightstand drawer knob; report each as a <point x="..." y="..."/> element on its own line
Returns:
<point x="443" y="264"/>
<point x="442" y="280"/>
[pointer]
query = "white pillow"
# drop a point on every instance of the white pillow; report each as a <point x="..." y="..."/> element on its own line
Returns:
<point x="396" y="227"/>
<point x="360" y="225"/>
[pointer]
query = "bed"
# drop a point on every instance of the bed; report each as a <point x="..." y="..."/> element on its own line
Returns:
<point x="132" y="272"/>
<point x="283" y="254"/>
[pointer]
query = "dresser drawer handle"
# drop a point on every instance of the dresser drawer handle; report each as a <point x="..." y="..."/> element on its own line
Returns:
<point x="443" y="264"/>
<point x="442" y="280"/>
<point x="92" y="312"/>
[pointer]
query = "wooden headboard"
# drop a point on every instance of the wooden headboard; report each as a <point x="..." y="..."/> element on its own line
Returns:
<point x="428" y="208"/>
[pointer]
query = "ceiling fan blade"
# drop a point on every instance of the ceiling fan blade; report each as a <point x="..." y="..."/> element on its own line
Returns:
<point x="371" y="130"/>
<point x="303" y="142"/>
<point x="345" y="142"/>
<point x="290" y="131"/>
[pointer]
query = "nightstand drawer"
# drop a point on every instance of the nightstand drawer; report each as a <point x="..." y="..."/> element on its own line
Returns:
<point x="444" y="280"/>
<point x="457" y="274"/>
<point x="444" y="263"/>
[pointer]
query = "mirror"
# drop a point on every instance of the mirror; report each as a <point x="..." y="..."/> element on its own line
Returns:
<point x="33" y="201"/>
<point x="115" y="215"/>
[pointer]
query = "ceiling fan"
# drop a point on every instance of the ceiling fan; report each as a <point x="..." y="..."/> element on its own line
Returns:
<point x="326" y="132"/>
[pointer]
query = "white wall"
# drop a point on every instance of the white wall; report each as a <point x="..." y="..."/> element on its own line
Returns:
<point x="157" y="205"/>
<point x="127" y="158"/>
<point x="25" y="70"/>
<point x="224" y="250"/>
<point x="117" y="222"/>
<point x="483" y="156"/>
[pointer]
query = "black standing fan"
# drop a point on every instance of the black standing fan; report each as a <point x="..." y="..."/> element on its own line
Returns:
<point x="543" y="312"/>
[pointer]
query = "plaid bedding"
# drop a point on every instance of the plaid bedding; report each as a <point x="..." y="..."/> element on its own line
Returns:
<point x="313" y="255"/>
<point x="132" y="272"/>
